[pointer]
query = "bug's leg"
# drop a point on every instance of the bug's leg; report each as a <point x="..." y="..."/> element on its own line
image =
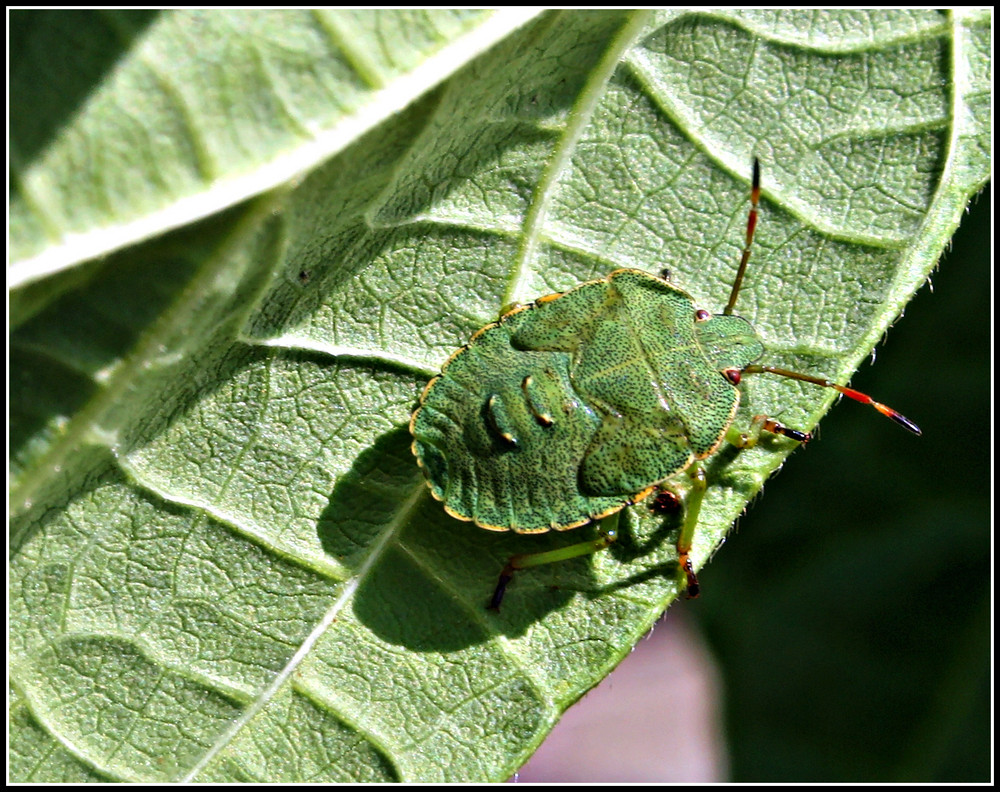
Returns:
<point x="699" y="485"/>
<point x="761" y="423"/>
<point x="607" y="534"/>
<point x="858" y="396"/>
<point x="692" y="509"/>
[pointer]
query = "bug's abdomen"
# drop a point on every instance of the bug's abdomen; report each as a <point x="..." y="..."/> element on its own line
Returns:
<point x="501" y="435"/>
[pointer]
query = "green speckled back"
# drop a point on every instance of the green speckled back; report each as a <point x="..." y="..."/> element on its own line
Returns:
<point x="569" y="409"/>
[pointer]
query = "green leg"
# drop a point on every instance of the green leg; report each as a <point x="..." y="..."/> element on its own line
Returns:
<point x="692" y="508"/>
<point x="608" y="533"/>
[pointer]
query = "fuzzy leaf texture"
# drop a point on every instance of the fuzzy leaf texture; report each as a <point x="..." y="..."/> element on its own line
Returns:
<point x="241" y="242"/>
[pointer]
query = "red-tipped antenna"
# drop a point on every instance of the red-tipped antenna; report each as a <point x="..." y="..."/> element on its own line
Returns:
<point x="751" y="227"/>
<point x="864" y="398"/>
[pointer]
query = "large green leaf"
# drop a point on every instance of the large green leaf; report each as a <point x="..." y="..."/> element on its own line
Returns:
<point x="224" y="562"/>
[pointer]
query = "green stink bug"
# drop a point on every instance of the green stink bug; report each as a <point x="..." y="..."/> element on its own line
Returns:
<point x="567" y="410"/>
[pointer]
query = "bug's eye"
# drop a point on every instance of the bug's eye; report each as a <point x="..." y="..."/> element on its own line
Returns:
<point x="701" y="315"/>
<point x="733" y="375"/>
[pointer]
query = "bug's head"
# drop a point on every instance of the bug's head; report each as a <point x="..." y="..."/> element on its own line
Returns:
<point x="729" y="342"/>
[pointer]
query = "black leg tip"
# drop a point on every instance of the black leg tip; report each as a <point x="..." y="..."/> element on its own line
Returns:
<point x="500" y="590"/>
<point x="693" y="587"/>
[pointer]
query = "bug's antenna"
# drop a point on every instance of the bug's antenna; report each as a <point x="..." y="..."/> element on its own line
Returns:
<point x="864" y="398"/>
<point x="751" y="227"/>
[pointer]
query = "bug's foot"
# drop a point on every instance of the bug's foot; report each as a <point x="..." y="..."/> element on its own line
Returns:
<point x="500" y="590"/>
<point x="693" y="587"/>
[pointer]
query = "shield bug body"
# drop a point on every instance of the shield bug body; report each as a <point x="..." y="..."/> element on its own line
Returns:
<point x="567" y="410"/>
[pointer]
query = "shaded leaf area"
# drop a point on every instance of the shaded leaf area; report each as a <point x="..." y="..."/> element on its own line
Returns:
<point x="225" y="564"/>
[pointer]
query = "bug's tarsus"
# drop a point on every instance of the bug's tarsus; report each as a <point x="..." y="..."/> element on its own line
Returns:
<point x="693" y="587"/>
<point x="772" y="426"/>
<point x="500" y="590"/>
